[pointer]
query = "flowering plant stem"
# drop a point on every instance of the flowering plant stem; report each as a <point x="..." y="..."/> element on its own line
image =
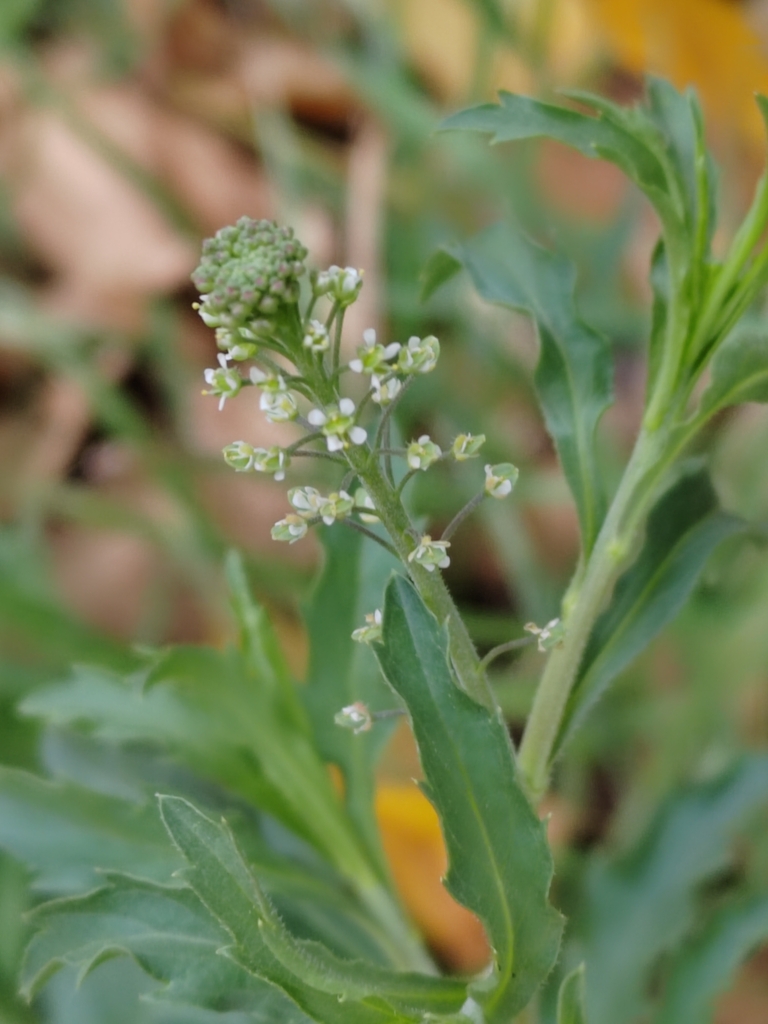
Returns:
<point x="586" y="597"/>
<point x="430" y="585"/>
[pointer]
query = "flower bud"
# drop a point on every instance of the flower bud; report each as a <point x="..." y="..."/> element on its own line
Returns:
<point x="422" y="453"/>
<point x="466" y="446"/>
<point x="500" y="479"/>
<point x="371" y="631"/>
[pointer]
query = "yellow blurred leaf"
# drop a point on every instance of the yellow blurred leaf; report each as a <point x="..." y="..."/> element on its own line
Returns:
<point x="707" y="43"/>
<point x="416" y="853"/>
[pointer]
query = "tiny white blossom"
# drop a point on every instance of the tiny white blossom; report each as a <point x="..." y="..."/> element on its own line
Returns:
<point x="420" y="355"/>
<point x="385" y="391"/>
<point x="337" y="422"/>
<point x="371" y="631"/>
<point x="316" y="337"/>
<point x="466" y="446"/>
<point x="291" y="529"/>
<point x="306" y="501"/>
<point x="278" y="406"/>
<point x="336" y="506"/>
<point x="224" y="381"/>
<point x="430" y="553"/>
<point x="355" y="716"/>
<point x="422" y="453"/>
<point x="500" y="479"/>
<point x="549" y="636"/>
<point x="273" y="382"/>
<point x="271" y="460"/>
<point x="342" y="284"/>
<point x="373" y="358"/>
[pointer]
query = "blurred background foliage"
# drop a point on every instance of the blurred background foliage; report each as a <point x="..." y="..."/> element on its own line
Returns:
<point x="131" y="129"/>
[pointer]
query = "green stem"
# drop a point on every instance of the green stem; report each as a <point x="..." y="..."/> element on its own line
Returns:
<point x="430" y="585"/>
<point x="583" y="604"/>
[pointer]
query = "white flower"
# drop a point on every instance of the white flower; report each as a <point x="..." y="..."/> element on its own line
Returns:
<point x="273" y="382"/>
<point x="337" y="422"/>
<point x="355" y="716"/>
<point x="550" y="636"/>
<point x="342" y="284"/>
<point x="466" y="446"/>
<point x="224" y="381"/>
<point x="278" y="406"/>
<point x="316" y="337"/>
<point x="371" y="631"/>
<point x="336" y="506"/>
<point x="364" y="502"/>
<point x="431" y="553"/>
<point x="420" y="355"/>
<point x="291" y="529"/>
<point x="373" y="358"/>
<point x="500" y="479"/>
<point x="422" y="453"/>
<point x="385" y="391"/>
<point x="271" y="460"/>
<point x="306" y="501"/>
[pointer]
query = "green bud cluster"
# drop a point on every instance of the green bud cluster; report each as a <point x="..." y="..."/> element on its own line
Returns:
<point x="248" y="272"/>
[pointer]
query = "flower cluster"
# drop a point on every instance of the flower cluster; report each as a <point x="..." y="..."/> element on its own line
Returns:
<point x="247" y="273"/>
<point x="249" y="277"/>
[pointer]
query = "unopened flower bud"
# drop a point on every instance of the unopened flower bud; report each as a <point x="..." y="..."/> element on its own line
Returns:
<point x="500" y="479"/>
<point x="422" y="453"/>
<point x="466" y="446"/>
<point x="430" y="553"/>
<point x="420" y="355"/>
<point x="291" y="529"/>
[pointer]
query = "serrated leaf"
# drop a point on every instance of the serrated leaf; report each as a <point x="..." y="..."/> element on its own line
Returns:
<point x="66" y="834"/>
<point x="499" y="862"/>
<point x="224" y="883"/>
<point x="739" y="371"/>
<point x="616" y="135"/>
<point x="683" y="530"/>
<point x="643" y="904"/>
<point x="166" y="930"/>
<point x="705" y="966"/>
<point x="570" y="999"/>
<point x="342" y="671"/>
<point x="574" y="376"/>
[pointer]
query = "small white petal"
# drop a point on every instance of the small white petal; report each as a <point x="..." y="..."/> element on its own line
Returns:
<point x="317" y="417"/>
<point x="357" y="435"/>
<point x="369" y="337"/>
<point x="346" y="407"/>
<point x="391" y="350"/>
<point x="356" y="366"/>
<point x="335" y="444"/>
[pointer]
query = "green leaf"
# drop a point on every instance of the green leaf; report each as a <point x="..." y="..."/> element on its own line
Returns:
<point x="739" y="371"/>
<point x="225" y="884"/>
<point x="574" y="376"/>
<point x="705" y="967"/>
<point x="683" y="530"/>
<point x="342" y="671"/>
<point x="628" y="139"/>
<point x="166" y="930"/>
<point x="642" y="904"/>
<point x="67" y="834"/>
<point x="500" y="864"/>
<point x="439" y="268"/>
<point x="570" y="1000"/>
<point x="238" y="732"/>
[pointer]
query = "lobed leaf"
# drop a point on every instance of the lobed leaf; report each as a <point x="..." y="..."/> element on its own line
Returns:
<point x="643" y="903"/>
<point x="166" y="930"/>
<point x="683" y="529"/>
<point x="574" y="376"/>
<point x="224" y="883"/>
<point x="66" y="834"/>
<point x="500" y="864"/>
<point x="706" y="965"/>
